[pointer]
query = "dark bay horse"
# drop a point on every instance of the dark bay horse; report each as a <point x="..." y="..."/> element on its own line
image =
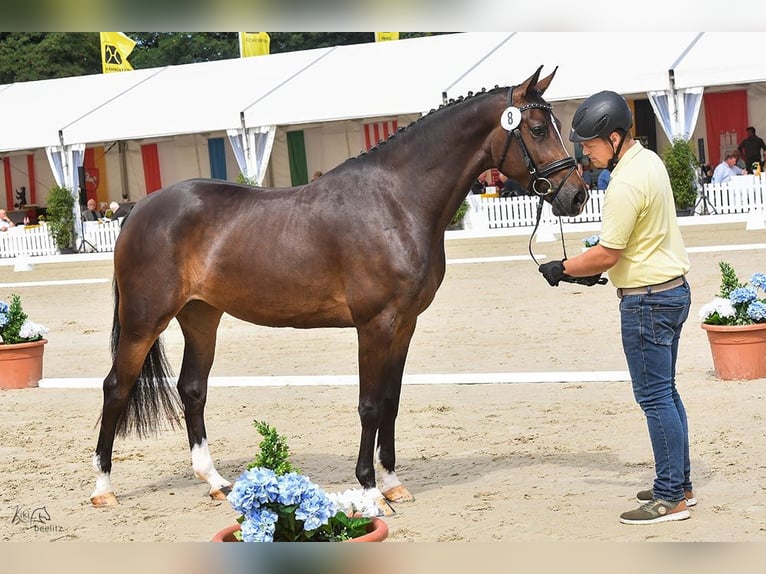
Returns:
<point x="362" y="246"/>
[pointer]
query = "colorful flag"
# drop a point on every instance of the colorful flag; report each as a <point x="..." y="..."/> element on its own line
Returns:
<point x="254" y="44"/>
<point x="115" y="49"/>
<point x="386" y="36"/>
<point x="377" y="132"/>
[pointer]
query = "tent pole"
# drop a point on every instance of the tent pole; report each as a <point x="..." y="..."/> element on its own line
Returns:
<point x="121" y="148"/>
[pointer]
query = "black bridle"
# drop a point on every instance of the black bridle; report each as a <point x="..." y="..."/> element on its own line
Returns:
<point x="539" y="176"/>
<point x="539" y="184"/>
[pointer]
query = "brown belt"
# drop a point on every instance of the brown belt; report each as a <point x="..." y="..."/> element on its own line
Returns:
<point x="649" y="289"/>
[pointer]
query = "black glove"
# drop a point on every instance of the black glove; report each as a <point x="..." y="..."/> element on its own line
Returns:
<point x="588" y="281"/>
<point x="553" y="271"/>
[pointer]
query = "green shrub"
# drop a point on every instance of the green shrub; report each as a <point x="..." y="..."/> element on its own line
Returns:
<point x="681" y="164"/>
<point x="60" y="216"/>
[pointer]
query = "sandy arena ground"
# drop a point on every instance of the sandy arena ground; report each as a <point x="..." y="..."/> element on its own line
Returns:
<point x="490" y="462"/>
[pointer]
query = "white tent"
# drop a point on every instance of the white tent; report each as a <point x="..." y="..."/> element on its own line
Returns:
<point x="248" y="97"/>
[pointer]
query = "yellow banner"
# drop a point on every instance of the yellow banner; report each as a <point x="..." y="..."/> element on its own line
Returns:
<point x="115" y="49"/>
<point x="386" y="36"/>
<point x="254" y="44"/>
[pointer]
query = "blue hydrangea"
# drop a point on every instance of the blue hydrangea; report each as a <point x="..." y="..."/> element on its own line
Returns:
<point x="3" y="307"/>
<point x="757" y="311"/>
<point x="758" y="280"/>
<point x="255" y="487"/>
<point x="315" y="509"/>
<point x="742" y="295"/>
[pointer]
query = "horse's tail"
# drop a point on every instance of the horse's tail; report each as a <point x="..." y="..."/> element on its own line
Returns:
<point x="153" y="403"/>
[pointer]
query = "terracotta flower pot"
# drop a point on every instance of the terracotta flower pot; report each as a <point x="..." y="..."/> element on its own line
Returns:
<point x="739" y="352"/>
<point x="21" y="364"/>
<point x="376" y="532"/>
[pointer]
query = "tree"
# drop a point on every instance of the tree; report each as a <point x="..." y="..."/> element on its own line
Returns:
<point x="39" y="56"/>
<point x="36" y="56"/>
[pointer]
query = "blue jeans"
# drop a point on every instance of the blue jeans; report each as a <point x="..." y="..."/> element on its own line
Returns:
<point x="651" y="329"/>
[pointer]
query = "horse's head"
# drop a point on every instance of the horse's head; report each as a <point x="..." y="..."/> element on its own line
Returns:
<point x="527" y="146"/>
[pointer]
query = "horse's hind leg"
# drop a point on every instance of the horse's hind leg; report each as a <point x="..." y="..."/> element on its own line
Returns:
<point x="383" y="350"/>
<point x="116" y="390"/>
<point x="199" y="323"/>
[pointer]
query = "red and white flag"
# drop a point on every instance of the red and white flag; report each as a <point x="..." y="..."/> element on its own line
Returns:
<point x="377" y="132"/>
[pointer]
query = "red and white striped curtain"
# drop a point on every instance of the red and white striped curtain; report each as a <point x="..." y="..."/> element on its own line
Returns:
<point x="374" y="133"/>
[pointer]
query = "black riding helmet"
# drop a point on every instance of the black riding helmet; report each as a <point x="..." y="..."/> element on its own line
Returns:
<point x="600" y="115"/>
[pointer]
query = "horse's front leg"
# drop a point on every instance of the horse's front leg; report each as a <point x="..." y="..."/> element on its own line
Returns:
<point x="383" y="350"/>
<point x="199" y="323"/>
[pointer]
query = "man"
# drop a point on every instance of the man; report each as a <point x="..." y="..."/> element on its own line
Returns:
<point x="90" y="213"/>
<point x="727" y="169"/>
<point x="5" y="221"/>
<point x="641" y="247"/>
<point x="750" y="148"/>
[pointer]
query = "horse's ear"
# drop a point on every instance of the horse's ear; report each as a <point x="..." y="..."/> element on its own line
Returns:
<point x="543" y="84"/>
<point x="531" y="82"/>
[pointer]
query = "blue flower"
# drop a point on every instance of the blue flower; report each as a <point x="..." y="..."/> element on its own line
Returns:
<point x="758" y="280"/>
<point x="254" y="488"/>
<point x="742" y="295"/>
<point x="757" y="311"/>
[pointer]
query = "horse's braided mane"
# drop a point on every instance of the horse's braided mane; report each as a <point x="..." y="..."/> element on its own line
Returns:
<point x="453" y="102"/>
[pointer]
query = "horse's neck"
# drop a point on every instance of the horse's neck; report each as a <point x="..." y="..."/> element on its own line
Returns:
<point x="452" y="151"/>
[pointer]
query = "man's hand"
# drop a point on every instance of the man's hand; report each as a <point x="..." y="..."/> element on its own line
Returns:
<point x="553" y="271"/>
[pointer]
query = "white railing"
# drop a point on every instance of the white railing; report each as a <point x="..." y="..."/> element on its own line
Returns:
<point x="27" y="241"/>
<point x="743" y="194"/>
<point x="35" y="240"/>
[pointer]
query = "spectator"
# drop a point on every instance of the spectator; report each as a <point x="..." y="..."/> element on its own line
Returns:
<point x="750" y="148"/>
<point x="725" y="170"/>
<point x="5" y="221"/>
<point x="117" y="210"/>
<point x="91" y="213"/>
<point x="603" y="178"/>
<point x="317" y="175"/>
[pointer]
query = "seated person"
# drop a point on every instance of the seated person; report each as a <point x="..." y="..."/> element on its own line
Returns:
<point x="5" y="221"/>
<point x="91" y="213"/>
<point x="509" y="187"/>
<point x="117" y="210"/>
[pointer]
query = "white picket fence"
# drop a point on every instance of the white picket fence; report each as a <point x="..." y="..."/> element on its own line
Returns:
<point x="35" y="240"/>
<point x="743" y="194"/>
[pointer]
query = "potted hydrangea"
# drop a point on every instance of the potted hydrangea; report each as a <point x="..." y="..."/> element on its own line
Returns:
<point x="21" y="347"/>
<point x="279" y="504"/>
<point x="735" y="321"/>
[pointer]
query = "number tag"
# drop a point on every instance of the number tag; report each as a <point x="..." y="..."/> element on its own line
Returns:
<point x="511" y="118"/>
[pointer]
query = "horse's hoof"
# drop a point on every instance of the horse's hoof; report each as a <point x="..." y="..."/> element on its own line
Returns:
<point x="104" y="500"/>
<point x="221" y="493"/>
<point x="398" y="494"/>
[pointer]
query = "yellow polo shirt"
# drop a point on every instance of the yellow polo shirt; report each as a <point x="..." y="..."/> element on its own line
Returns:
<point x="639" y="217"/>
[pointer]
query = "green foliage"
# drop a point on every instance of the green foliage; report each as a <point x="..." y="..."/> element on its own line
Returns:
<point x="26" y="56"/>
<point x="15" y="319"/>
<point x="274" y="454"/>
<point x="241" y="178"/>
<point x="60" y="216"/>
<point x="729" y="280"/>
<point x="460" y="213"/>
<point x="681" y="163"/>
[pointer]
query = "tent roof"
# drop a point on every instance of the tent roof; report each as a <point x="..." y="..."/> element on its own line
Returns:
<point x="359" y="81"/>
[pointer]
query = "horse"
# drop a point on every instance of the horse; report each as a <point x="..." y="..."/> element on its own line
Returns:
<point x="362" y="246"/>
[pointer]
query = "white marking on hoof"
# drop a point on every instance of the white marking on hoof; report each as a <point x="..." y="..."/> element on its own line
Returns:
<point x="103" y="495"/>
<point x="204" y="469"/>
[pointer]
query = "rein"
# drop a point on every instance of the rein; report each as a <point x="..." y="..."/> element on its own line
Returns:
<point x="539" y="176"/>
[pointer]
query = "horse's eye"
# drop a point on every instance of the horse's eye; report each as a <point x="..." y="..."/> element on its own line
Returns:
<point x="539" y="131"/>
